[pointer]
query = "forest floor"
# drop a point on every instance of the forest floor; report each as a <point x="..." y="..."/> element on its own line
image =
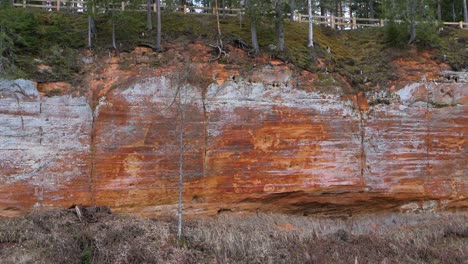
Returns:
<point x="98" y="236"/>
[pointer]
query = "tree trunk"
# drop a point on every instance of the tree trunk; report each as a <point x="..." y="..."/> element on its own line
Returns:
<point x="149" y="18"/>
<point x="253" y="31"/>
<point x="114" y="45"/>
<point x="311" y="28"/>
<point x="412" y="26"/>
<point x="90" y="31"/>
<point x="341" y="9"/>
<point x="158" y="34"/>
<point x="439" y="10"/>
<point x="323" y="9"/>
<point x="454" y="16"/>
<point x="181" y="168"/>
<point x="217" y="19"/>
<point x="465" y="12"/>
<point x="291" y="10"/>
<point x="279" y="25"/>
<point x="335" y="11"/>
<point x="224" y="9"/>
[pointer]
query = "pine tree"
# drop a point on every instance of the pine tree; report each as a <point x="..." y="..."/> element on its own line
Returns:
<point x="416" y="15"/>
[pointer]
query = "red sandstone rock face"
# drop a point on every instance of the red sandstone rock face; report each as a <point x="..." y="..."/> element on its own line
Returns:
<point x="247" y="147"/>
<point x="44" y="149"/>
<point x="256" y="147"/>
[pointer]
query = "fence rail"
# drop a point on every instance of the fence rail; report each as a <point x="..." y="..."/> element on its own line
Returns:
<point x="354" y="22"/>
<point x="331" y="21"/>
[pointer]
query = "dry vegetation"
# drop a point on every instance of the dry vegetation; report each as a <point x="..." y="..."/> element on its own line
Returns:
<point x="58" y="236"/>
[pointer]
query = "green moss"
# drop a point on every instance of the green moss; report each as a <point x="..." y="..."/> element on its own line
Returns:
<point x="453" y="48"/>
<point x="325" y="80"/>
<point x="36" y="35"/>
<point x="441" y="105"/>
<point x="86" y="256"/>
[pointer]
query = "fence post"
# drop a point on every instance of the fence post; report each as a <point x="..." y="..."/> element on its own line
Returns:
<point x="300" y="18"/>
<point x="154" y="7"/>
<point x="185" y="9"/>
<point x="461" y="24"/>
<point x="58" y="5"/>
<point x="332" y="21"/>
<point x="122" y="6"/>
<point x="354" y="23"/>
<point x="382" y="23"/>
<point x="24" y="3"/>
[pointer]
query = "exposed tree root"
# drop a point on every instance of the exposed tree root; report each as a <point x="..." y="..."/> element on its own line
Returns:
<point x="149" y="45"/>
<point x="240" y="43"/>
<point x="219" y="47"/>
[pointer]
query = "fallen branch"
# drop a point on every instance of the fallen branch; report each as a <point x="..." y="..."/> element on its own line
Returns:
<point x="78" y="213"/>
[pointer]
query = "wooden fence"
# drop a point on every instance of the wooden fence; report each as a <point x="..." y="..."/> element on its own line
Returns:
<point x="331" y="21"/>
<point x="354" y="23"/>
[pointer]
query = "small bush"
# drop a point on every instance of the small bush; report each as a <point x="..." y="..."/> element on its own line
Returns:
<point x="426" y="35"/>
<point x="396" y="35"/>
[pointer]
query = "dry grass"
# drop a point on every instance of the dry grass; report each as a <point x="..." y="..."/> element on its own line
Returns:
<point x="59" y="237"/>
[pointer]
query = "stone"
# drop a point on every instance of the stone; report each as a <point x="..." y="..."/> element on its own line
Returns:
<point x="44" y="149"/>
<point x="248" y="147"/>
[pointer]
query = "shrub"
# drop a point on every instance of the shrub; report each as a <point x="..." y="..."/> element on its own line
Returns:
<point x="396" y="35"/>
<point x="426" y="35"/>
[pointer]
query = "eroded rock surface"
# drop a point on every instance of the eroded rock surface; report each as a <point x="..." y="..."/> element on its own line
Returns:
<point x="417" y="146"/>
<point x="44" y="148"/>
<point x="247" y="147"/>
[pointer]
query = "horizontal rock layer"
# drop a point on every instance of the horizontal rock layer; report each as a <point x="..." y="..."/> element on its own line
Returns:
<point x="44" y="149"/>
<point x="246" y="147"/>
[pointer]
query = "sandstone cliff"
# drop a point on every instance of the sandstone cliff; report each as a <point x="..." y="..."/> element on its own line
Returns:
<point x="248" y="147"/>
